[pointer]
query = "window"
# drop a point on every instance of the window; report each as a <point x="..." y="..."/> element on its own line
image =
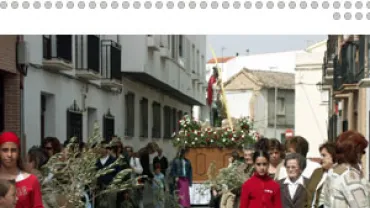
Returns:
<point x="281" y="106"/>
<point x="93" y="53"/>
<point x="173" y="46"/>
<point x="198" y="62"/>
<point x="156" y="129"/>
<point x="282" y="138"/>
<point x="74" y="122"/>
<point x="43" y="109"/>
<point x="108" y="126"/>
<point x="167" y="121"/>
<point x="144" y="117"/>
<point x="179" y="116"/>
<point x="181" y="46"/>
<point x="130" y="114"/>
<point x="193" y="65"/>
<point x="47" y="115"/>
<point x="46" y="44"/>
<point x="57" y="46"/>
<point x="174" y="120"/>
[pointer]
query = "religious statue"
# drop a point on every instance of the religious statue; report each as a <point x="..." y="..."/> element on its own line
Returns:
<point x="213" y="98"/>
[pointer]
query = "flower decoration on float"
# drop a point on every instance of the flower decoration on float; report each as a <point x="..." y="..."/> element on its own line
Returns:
<point x="193" y="134"/>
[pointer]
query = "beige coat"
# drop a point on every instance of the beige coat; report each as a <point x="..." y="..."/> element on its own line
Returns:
<point x="346" y="187"/>
<point x="227" y="200"/>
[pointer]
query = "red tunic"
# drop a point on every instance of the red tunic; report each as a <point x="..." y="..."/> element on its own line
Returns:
<point x="260" y="192"/>
<point x="211" y="81"/>
<point x="29" y="193"/>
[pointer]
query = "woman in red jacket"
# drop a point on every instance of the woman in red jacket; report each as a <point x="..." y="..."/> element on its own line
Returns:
<point x="260" y="191"/>
<point x="27" y="185"/>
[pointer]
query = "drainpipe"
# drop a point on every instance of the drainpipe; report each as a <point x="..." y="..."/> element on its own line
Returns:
<point x="20" y="68"/>
<point x="275" y="116"/>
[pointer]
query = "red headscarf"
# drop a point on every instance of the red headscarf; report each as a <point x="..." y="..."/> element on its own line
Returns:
<point x="9" y="137"/>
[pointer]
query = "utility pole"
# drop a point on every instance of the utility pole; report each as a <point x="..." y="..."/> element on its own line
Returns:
<point x="275" y="118"/>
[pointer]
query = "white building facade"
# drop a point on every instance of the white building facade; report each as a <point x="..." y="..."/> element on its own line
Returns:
<point x="230" y="66"/>
<point x="136" y="87"/>
<point x="311" y="100"/>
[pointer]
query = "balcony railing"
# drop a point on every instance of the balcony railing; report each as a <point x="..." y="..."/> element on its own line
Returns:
<point x="347" y="70"/>
<point x="58" y="46"/>
<point x="111" y="60"/>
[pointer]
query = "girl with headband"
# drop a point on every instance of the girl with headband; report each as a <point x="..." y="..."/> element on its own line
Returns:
<point x="11" y="168"/>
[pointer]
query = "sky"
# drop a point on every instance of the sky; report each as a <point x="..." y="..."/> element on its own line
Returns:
<point x="258" y="43"/>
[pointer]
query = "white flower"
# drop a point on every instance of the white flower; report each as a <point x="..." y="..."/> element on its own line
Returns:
<point x="195" y="132"/>
<point x="196" y="138"/>
<point x="178" y="139"/>
<point x="185" y="142"/>
<point x="193" y="143"/>
<point x="243" y="136"/>
<point x="232" y="139"/>
<point x="224" y="140"/>
<point x="211" y="140"/>
<point x="214" y="132"/>
<point x="202" y="135"/>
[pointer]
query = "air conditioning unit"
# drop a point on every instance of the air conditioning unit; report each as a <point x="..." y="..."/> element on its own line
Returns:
<point x="22" y="57"/>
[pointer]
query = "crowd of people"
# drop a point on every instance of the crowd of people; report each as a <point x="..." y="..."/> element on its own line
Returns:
<point x="21" y="182"/>
<point x="280" y="175"/>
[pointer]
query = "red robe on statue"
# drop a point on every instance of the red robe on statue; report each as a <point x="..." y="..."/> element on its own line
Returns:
<point x="211" y="81"/>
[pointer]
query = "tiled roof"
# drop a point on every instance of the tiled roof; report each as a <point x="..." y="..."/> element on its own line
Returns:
<point x="220" y="60"/>
<point x="267" y="79"/>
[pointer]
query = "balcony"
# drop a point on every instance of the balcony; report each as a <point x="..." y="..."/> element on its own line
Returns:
<point x="170" y="80"/>
<point x="348" y="72"/>
<point x="195" y="77"/>
<point x="57" y="52"/>
<point x="164" y="52"/>
<point x="111" y="65"/>
<point x="88" y="57"/>
<point x="153" y="42"/>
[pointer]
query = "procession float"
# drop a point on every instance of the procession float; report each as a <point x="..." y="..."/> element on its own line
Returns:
<point x="210" y="144"/>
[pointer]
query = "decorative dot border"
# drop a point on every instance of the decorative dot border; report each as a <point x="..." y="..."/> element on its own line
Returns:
<point x="202" y="4"/>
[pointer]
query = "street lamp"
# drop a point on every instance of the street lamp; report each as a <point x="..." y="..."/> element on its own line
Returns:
<point x="319" y="86"/>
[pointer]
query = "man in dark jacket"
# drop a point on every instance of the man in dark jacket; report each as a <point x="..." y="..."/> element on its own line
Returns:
<point x="103" y="181"/>
<point x="162" y="160"/>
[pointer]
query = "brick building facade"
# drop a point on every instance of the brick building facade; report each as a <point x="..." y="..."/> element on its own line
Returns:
<point x="10" y="86"/>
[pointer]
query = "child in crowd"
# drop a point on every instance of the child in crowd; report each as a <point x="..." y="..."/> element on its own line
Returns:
<point x="8" y="197"/>
<point x="158" y="187"/>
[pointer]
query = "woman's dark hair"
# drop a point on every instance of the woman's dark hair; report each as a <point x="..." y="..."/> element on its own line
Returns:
<point x="38" y="156"/>
<point x="330" y="147"/>
<point x="55" y="143"/>
<point x="5" y="186"/>
<point x="299" y="144"/>
<point x="235" y="155"/>
<point x="182" y="152"/>
<point x="349" y="145"/>
<point x="260" y="153"/>
<point x="274" y="144"/>
<point x="262" y="144"/>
